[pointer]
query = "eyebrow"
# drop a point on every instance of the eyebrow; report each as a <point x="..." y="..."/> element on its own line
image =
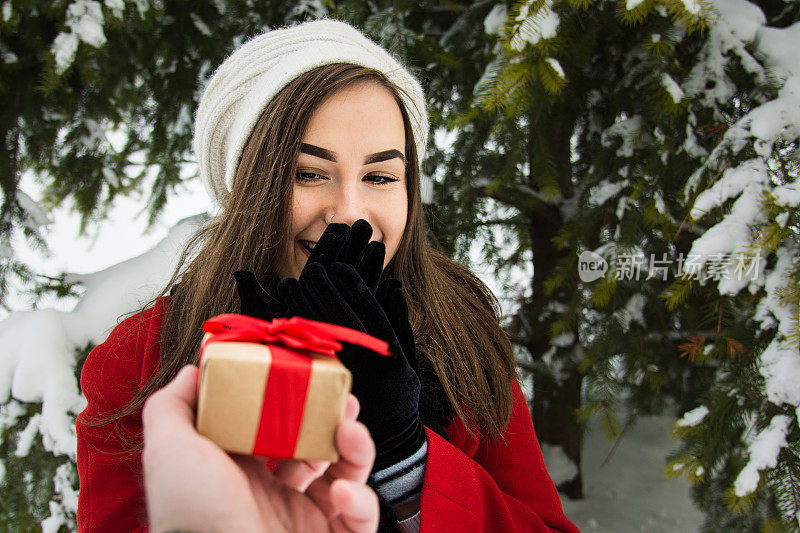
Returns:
<point x="377" y="157"/>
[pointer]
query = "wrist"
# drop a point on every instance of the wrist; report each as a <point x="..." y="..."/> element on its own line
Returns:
<point x="407" y="510"/>
<point x="400" y="484"/>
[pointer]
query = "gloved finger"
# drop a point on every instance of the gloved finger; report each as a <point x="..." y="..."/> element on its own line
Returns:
<point x="353" y="249"/>
<point x="372" y="316"/>
<point x="396" y="310"/>
<point x="371" y="265"/>
<point x="326" y="299"/>
<point x="296" y="302"/>
<point x="254" y="300"/>
<point x="330" y="243"/>
<point x="352" y="287"/>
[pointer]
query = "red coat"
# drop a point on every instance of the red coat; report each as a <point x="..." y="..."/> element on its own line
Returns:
<point x="471" y="483"/>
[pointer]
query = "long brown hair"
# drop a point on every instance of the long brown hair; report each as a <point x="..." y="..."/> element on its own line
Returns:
<point x="454" y="316"/>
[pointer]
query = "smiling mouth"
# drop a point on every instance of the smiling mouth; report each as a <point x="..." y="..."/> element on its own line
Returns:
<point x="307" y="246"/>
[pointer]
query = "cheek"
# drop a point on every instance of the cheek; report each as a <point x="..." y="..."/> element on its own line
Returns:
<point x="394" y="225"/>
<point x="302" y="210"/>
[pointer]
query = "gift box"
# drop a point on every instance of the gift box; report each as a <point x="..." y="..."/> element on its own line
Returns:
<point x="274" y="389"/>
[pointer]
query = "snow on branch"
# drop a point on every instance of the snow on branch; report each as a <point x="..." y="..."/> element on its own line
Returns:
<point x="763" y="454"/>
<point x="38" y="357"/>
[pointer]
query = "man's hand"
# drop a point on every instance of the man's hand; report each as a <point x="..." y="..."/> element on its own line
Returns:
<point x="193" y="485"/>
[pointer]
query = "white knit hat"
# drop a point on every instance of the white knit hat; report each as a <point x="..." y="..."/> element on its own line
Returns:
<point x="248" y="79"/>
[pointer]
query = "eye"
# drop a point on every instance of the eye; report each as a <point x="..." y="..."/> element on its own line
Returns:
<point x="309" y="177"/>
<point x="379" y="179"/>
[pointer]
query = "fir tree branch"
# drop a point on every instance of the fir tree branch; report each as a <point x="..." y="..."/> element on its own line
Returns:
<point x="502" y="222"/>
<point x="618" y="440"/>
<point x="520" y="197"/>
<point x="524" y="365"/>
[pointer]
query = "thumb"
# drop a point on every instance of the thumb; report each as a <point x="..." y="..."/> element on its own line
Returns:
<point x="184" y="386"/>
<point x="177" y="399"/>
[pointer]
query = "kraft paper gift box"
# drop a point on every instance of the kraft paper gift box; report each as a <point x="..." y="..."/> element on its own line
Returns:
<point x="274" y="389"/>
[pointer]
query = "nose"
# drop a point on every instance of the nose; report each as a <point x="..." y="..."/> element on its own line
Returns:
<point x="348" y="204"/>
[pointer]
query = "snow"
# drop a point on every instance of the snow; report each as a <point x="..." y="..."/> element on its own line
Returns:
<point x="10" y="413"/>
<point x="536" y="27"/>
<point x="693" y="417"/>
<point x="632" y="4"/>
<point x="564" y="340"/>
<point x="661" y="206"/>
<point x="692" y="6"/>
<point x="36" y="364"/>
<point x="605" y="190"/>
<point x="728" y="36"/>
<point x="85" y="20"/>
<point x="117" y="7"/>
<point x="625" y="129"/>
<point x="629" y="492"/>
<point x="779" y="48"/>
<point x="482" y="85"/>
<point x="633" y="311"/>
<point x="555" y="65"/>
<point x="35" y="215"/>
<point x="763" y="452"/>
<point x="200" y="25"/>
<point x="120" y="237"/>
<point x="741" y="18"/>
<point x="751" y="173"/>
<point x="777" y="118"/>
<point x="494" y="21"/>
<point x="787" y="195"/>
<point x="25" y="437"/>
<point x="560" y="467"/>
<point x="57" y="518"/>
<point x="739" y="31"/>
<point x="779" y="363"/>
<point x="65" y="474"/>
<point x="672" y="88"/>
<point x="515" y="283"/>
<point x="622" y="206"/>
<point x="7" y="11"/>
<point x="65" y="45"/>
<point x="731" y="236"/>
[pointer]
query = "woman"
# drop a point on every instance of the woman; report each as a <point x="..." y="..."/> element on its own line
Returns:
<point x="299" y="134"/>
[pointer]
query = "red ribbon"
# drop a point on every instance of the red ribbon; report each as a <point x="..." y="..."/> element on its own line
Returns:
<point x="296" y="333"/>
<point x="292" y="341"/>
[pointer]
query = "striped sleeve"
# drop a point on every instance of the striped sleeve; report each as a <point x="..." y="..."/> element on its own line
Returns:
<point x="402" y="482"/>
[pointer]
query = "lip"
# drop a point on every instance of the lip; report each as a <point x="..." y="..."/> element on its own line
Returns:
<point x="303" y="248"/>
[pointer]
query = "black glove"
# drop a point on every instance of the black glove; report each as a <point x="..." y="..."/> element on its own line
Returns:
<point x="254" y="300"/>
<point x="387" y="387"/>
<point x="340" y="243"/>
<point x="434" y="406"/>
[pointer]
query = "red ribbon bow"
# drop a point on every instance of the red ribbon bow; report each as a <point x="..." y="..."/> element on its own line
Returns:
<point x="296" y="333"/>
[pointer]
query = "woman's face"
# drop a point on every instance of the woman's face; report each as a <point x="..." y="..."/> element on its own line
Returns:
<point x="351" y="166"/>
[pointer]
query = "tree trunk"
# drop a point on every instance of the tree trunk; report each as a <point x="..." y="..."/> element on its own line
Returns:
<point x="555" y="401"/>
